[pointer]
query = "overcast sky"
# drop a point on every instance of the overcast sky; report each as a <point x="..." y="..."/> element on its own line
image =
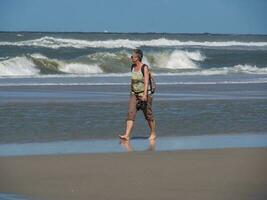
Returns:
<point x="174" y="16"/>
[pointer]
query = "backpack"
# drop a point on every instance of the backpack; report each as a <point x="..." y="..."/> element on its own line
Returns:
<point x="151" y="80"/>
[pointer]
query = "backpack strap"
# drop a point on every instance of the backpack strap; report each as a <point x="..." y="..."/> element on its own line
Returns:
<point x="143" y="69"/>
<point x="133" y="65"/>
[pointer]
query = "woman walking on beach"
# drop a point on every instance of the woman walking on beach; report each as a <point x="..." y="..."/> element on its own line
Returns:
<point x="139" y="97"/>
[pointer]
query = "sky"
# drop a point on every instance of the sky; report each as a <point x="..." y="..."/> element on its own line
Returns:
<point x="170" y="16"/>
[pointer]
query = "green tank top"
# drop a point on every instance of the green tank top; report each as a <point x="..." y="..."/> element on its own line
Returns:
<point x="137" y="83"/>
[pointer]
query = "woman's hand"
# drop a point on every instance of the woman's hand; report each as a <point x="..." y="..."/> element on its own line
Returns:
<point x="144" y="97"/>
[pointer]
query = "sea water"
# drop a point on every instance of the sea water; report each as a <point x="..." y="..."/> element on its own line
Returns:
<point x="75" y="86"/>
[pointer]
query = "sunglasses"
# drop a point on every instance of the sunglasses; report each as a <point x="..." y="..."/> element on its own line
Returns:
<point x="134" y="57"/>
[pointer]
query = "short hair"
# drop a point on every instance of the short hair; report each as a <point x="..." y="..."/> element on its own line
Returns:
<point x="139" y="53"/>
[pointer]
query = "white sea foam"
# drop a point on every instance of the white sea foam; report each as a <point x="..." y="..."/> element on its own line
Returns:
<point x="102" y="55"/>
<point x="18" y="66"/>
<point x="178" y="59"/>
<point x="77" y="68"/>
<point x="37" y="55"/>
<point x="52" y="42"/>
<point x="4" y="58"/>
<point x="237" y="69"/>
<point x="252" y="81"/>
<point x="249" y="69"/>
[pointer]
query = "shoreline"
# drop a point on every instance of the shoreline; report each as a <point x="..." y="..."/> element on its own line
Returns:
<point x="184" y="174"/>
<point x="136" y="144"/>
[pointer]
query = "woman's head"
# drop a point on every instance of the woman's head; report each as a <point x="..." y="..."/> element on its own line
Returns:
<point x="137" y="54"/>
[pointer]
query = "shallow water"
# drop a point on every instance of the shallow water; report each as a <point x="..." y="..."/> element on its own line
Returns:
<point x="52" y="113"/>
<point x="167" y="143"/>
<point x="9" y="196"/>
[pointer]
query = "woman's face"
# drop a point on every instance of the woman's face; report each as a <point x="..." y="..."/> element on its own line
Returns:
<point x="134" y="58"/>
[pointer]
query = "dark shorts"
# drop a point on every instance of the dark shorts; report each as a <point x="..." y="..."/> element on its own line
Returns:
<point x="132" y="108"/>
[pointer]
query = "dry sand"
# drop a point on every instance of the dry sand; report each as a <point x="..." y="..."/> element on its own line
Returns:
<point x="229" y="174"/>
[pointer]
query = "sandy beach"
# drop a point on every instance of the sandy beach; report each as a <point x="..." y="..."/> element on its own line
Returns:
<point x="184" y="174"/>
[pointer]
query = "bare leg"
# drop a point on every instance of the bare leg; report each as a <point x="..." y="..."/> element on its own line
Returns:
<point x="129" y="127"/>
<point x="152" y="126"/>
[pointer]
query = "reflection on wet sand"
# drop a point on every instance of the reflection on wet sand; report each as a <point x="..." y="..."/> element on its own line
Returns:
<point x="126" y="144"/>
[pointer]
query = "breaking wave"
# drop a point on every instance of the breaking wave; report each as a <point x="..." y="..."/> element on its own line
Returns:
<point x="76" y="68"/>
<point x="175" y="62"/>
<point x="36" y="64"/>
<point x="178" y="59"/>
<point x="18" y="66"/>
<point x="55" y="43"/>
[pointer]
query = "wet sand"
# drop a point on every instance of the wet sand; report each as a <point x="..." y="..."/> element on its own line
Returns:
<point x="184" y="174"/>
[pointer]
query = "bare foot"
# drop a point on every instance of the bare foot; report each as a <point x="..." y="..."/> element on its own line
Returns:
<point x="152" y="137"/>
<point x="124" y="137"/>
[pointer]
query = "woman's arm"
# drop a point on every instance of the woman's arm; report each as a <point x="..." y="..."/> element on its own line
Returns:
<point x="146" y="79"/>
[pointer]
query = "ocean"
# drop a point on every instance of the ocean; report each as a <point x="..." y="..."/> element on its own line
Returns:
<point x="75" y="86"/>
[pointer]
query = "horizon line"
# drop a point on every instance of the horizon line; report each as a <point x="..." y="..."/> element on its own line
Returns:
<point x="107" y="32"/>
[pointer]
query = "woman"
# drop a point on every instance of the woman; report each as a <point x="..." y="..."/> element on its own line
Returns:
<point x="139" y="95"/>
